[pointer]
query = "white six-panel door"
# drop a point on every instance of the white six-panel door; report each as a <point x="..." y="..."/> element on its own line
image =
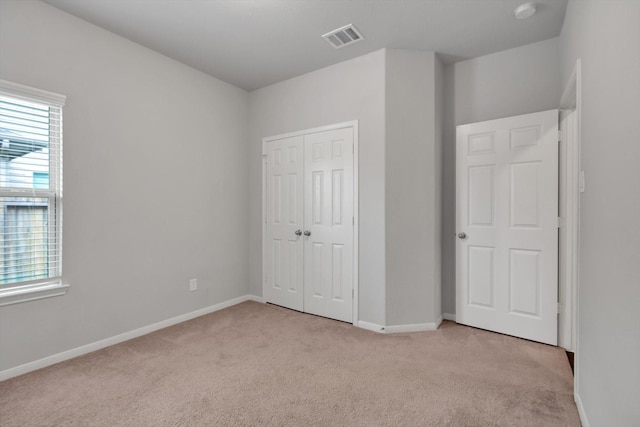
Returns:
<point x="284" y="222"/>
<point x="507" y="225"/>
<point x="328" y="218"/>
<point x="309" y="223"/>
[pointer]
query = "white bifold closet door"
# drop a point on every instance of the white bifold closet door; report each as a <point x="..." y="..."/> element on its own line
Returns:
<point x="507" y="226"/>
<point x="309" y="223"/>
<point x="283" y="250"/>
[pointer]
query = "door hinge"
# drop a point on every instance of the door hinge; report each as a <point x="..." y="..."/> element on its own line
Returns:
<point x="560" y="222"/>
<point x="559" y="135"/>
<point x="559" y="308"/>
<point x="353" y="220"/>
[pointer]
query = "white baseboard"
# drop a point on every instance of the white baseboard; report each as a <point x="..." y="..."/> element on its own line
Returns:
<point x="254" y="298"/>
<point x="449" y="316"/>
<point x="583" y="415"/>
<point x="370" y="326"/>
<point x="417" y="327"/>
<point x="396" y="329"/>
<point x="88" y="348"/>
<point x="438" y="322"/>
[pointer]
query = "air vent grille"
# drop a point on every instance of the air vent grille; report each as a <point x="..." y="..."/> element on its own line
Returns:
<point x="343" y="36"/>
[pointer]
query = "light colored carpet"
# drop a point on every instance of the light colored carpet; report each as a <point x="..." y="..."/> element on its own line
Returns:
<point x="257" y="364"/>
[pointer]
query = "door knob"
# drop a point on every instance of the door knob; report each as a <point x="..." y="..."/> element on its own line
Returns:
<point x="298" y="232"/>
<point x="462" y="236"/>
<point x="307" y="233"/>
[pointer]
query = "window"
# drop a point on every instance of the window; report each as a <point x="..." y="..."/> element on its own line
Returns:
<point x="30" y="188"/>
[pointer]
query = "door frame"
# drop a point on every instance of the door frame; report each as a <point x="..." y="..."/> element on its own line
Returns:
<point x="571" y="170"/>
<point x="567" y="233"/>
<point x="353" y="124"/>
<point x="570" y="258"/>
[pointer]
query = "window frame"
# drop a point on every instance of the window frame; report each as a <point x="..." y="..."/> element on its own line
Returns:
<point x="51" y="286"/>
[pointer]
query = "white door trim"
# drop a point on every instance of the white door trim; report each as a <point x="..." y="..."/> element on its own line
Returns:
<point x="350" y="124"/>
<point x="571" y="168"/>
<point x="568" y="235"/>
<point x="572" y="100"/>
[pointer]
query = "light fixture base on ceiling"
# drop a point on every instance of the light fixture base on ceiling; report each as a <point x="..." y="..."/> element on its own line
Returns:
<point x="343" y="36"/>
<point x="525" y="10"/>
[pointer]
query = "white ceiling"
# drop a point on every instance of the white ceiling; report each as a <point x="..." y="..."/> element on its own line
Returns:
<point x="254" y="43"/>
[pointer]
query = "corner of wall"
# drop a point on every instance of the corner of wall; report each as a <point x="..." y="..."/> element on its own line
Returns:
<point x="412" y="187"/>
<point x="438" y="138"/>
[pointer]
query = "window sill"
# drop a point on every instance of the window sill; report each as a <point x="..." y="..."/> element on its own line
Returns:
<point x="34" y="292"/>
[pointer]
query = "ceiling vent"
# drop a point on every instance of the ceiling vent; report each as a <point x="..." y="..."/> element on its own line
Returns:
<point x="343" y="36"/>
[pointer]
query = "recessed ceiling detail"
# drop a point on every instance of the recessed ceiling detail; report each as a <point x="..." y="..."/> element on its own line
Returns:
<point x="343" y="36"/>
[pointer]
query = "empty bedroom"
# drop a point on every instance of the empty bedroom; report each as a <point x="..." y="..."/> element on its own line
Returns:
<point x="319" y="213"/>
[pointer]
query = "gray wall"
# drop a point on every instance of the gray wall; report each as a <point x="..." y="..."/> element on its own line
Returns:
<point x="606" y="36"/>
<point x="393" y="95"/>
<point x="347" y="91"/>
<point x="516" y="81"/>
<point x="412" y="162"/>
<point x="155" y="183"/>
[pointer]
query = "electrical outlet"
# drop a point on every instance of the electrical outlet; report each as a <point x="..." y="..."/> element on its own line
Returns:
<point x="193" y="284"/>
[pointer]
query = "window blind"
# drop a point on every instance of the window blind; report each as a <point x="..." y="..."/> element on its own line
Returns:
<point x="30" y="186"/>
